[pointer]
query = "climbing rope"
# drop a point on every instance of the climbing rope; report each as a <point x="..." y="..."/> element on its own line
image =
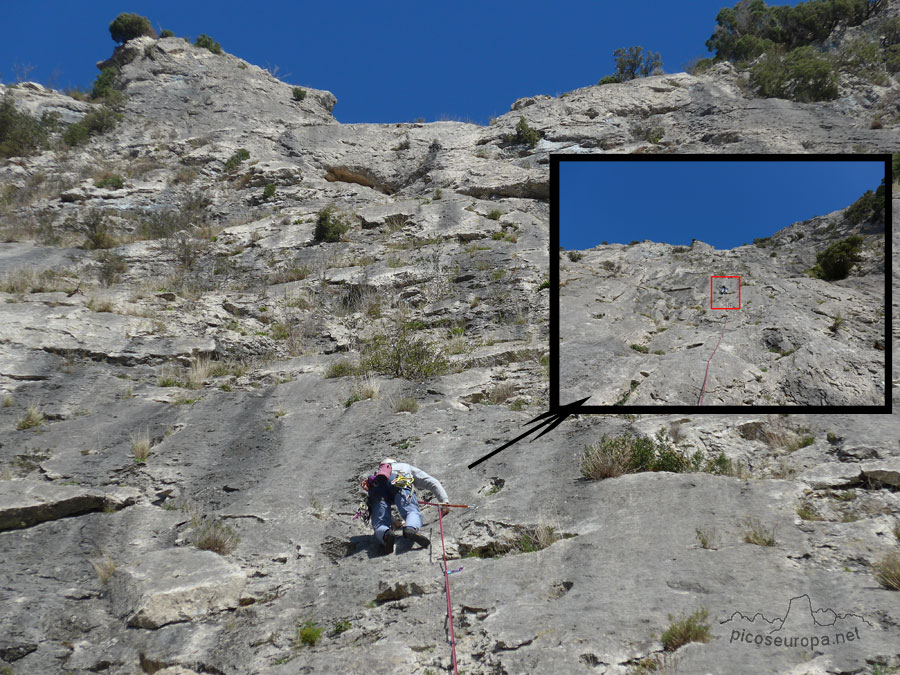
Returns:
<point x="447" y="576"/>
<point x="703" y="389"/>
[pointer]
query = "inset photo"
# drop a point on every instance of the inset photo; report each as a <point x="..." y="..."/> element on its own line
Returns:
<point x="719" y="281"/>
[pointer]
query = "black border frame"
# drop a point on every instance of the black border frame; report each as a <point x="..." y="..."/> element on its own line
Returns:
<point x="555" y="406"/>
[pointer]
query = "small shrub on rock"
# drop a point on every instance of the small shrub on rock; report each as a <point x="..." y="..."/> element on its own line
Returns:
<point x="608" y="79"/>
<point x="104" y="83"/>
<point x="308" y="634"/>
<point x="616" y="455"/>
<point x="166" y="34"/>
<point x="868" y="207"/>
<point x="235" y="160"/>
<point x="128" y="26"/>
<point x="269" y="191"/>
<point x="20" y="133"/>
<point x="837" y="260"/>
<point x="110" y="181"/>
<point x="207" y="42"/>
<point x="97" y="121"/>
<point x="803" y="74"/>
<point x="399" y="353"/>
<point x="524" y="135"/>
<point x="298" y="93"/>
<point x="98" y="233"/>
<point x="329" y="228"/>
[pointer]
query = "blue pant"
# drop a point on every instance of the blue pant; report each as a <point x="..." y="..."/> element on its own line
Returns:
<point x="406" y="503"/>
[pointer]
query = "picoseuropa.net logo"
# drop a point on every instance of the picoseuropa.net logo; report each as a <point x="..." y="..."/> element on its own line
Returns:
<point x="801" y="626"/>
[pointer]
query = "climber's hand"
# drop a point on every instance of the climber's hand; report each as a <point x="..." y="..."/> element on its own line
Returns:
<point x="445" y="510"/>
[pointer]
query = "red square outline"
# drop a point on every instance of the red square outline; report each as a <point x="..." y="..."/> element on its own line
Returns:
<point x="712" y="295"/>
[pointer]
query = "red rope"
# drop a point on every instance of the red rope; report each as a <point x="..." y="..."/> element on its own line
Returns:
<point x="703" y="390"/>
<point x="447" y="579"/>
<point x="447" y="585"/>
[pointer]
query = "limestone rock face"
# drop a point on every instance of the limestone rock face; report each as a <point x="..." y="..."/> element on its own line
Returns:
<point x="204" y="366"/>
<point x="174" y="585"/>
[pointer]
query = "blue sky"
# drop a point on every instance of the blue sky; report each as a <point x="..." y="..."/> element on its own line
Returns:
<point x="385" y="62"/>
<point x="724" y="204"/>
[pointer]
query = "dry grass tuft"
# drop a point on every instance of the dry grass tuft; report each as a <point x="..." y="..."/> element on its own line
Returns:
<point x="140" y="446"/>
<point x="692" y="628"/>
<point x="198" y="372"/>
<point x="104" y="567"/>
<point x="500" y="392"/>
<point x="708" y="538"/>
<point x="96" y="305"/>
<point x="887" y="571"/>
<point x="756" y="533"/>
<point x="33" y="418"/>
<point x="215" y="536"/>
<point x="406" y="404"/>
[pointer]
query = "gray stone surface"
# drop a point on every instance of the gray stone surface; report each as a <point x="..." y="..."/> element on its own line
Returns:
<point x="172" y="585"/>
<point x="26" y="503"/>
<point x="261" y="441"/>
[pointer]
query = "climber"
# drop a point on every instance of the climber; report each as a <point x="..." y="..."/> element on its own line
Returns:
<point x="723" y="290"/>
<point x="393" y="483"/>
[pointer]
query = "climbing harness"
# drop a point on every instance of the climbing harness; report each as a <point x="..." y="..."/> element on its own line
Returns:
<point x="447" y="576"/>
<point x="703" y="389"/>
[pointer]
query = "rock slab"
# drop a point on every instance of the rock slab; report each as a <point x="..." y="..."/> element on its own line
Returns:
<point x="173" y="585"/>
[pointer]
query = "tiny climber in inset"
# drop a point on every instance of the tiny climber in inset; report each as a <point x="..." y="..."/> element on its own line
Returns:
<point x="392" y="485"/>
<point x="723" y="290"/>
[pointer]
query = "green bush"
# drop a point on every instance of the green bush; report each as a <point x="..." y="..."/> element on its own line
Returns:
<point x="648" y="132"/>
<point x="269" y="191"/>
<point x="128" y="26"/>
<point x="97" y="121"/>
<point x="103" y="85"/>
<point x="495" y="214"/>
<point x="836" y="261"/>
<point x="609" y="79"/>
<point x="634" y="62"/>
<point x="616" y="455"/>
<point x="299" y="94"/>
<point x="166" y="33"/>
<point x="863" y="57"/>
<point x="207" y="42"/>
<point x="329" y="228"/>
<point x="111" y="181"/>
<point x="98" y="233"/>
<point x="804" y="24"/>
<point x="751" y="46"/>
<point x="525" y="135"/>
<point x="801" y="75"/>
<point x="20" y="133"/>
<point x="868" y="207"/>
<point x="235" y="160"/>
<point x="308" y="634"/>
<point x="400" y="353"/>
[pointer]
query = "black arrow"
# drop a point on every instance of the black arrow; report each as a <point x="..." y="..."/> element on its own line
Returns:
<point x="551" y="419"/>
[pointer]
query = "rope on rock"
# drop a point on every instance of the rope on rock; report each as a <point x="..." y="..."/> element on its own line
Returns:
<point x="447" y="576"/>
<point x="703" y="389"/>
